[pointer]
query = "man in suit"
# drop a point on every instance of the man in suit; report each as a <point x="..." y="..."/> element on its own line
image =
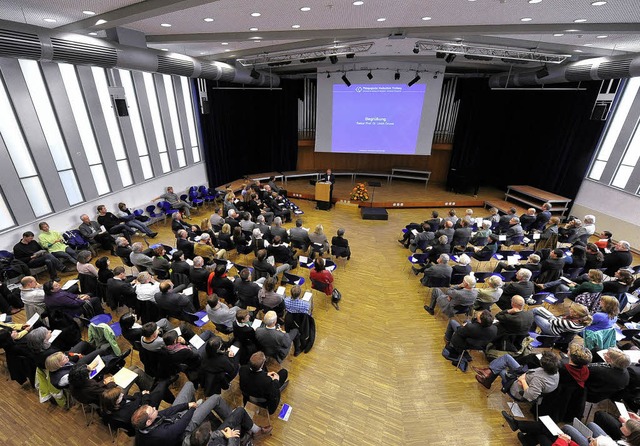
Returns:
<point x="257" y="382"/>
<point x="503" y="223"/>
<point x="340" y="245"/>
<point x="140" y="259"/>
<point x="198" y="274"/>
<point x="299" y="236"/>
<point x="515" y="232"/>
<point x="514" y="321"/>
<point x="92" y="232"/>
<point x="462" y="235"/>
<point x="522" y="286"/>
<point x="184" y="244"/>
<point x="264" y="228"/>
<point x="329" y="177"/>
<point x="435" y="222"/>
<point x="620" y="257"/>
<point x="542" y="218"/>
<point x="113" y="224"/>
<point x="484" y="253"/>
<point x="551" y="268"/>
<point x="119" y="289"/>
<point x="178" y="224"/>
<point x="533" y="264"/>
<point x="528" y="219"/>
<point x="463" y="295"/>
<point x="170" y="299"/>
<point x="274" y="341"/>
<point x="472" y="335"/>
<point x="281" y="253"/>
<point x="440" y="269"/>
<point x="246" y="291"/>
<point x="446" y="230"/>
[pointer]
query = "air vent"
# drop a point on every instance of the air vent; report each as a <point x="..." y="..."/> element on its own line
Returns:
<point x="578" y="73"/>
<point x="83" y="53"/>
<point x="19" y="44"/>
<point x="228" y="73"/>
<point x="171" y="65"/>
<point x="527" y="78"/>
<point x="614" y="69"/>
<point x="210" y="71"/>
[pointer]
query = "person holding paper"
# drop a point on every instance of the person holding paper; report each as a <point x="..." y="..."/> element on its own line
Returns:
<point x="256" y="381"/>
<point x="220" y="313"/>
<point x="218" y="283"/>
<point x="245" y="290"/>
<point x="237" y="428"/>
<point x="576" y="320"/>
<point x="592" y="285"/>
<point x="521" y="286"/>
<point x="32" y="296"/>
<point x="484" y="253"/>
<point x="549" y="236"/>
<point x="282" y="254"/>
<point x="55" y="298"/>
<point x="625" y="428"/>
<point x="94" y="233"/>
<point x="269" y="299"/>
<point x="29" y="251"/>
<point x="474" y="334"/>
<point x="244" y="336"/>
<point x="170" y="298"/>
<point x="218" y="368"/>
<point x="180" y="352"/>
<point x="608" y="377"/>
<point x="463" y="295"/>
<point x="53" y="242"/>
<point x="263" y="268"/>
<point x="275" y="342"/>
<point x="295" y="304"/>
<point x="533" y="264"/>
<point x="490" y="294"/>
<point x="299" y="236"/>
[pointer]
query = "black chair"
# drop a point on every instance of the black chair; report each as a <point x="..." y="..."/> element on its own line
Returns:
<point x="457" y="279"/>
<point x="149" y="311"/>
<point x="260" y="403"/>
<point x="88" y="284"/>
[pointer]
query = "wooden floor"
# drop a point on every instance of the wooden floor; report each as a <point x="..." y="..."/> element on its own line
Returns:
<point x="374" y="377"/>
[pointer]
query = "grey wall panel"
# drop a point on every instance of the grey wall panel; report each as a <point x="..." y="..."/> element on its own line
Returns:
<point x="128" y="139"/>
<point x="103" y="140"/>
<point x="147" y="122"/>
<point x="182" y="118"/>
<point x="12" y="187"/>
<point x="166" y="120"/>
<point x="63" y="109"/>
<point x="33" y="134"/>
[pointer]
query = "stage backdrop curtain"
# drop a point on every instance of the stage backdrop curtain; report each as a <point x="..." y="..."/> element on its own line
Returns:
<point x="250" y="131"/>
<point x="537" y="138"/>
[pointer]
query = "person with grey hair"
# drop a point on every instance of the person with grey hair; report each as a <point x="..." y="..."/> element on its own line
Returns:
<point x="620" y="257"/>
<point x="84" y="266"/>
<point x="481" y="237"/>
<point x="178" y="223"/>
<point x="609" y="377"/>
<point x="533" y="264"/>
<point x="264" y="228"/>
<point x="274" y="341"/>
<point x="490" y="294"/>
<point x="439" y="270"/>
<point x="184" y="244"/>
<point x="299" y="236"/>
<point x="278" y="230"/>
<point x="463" y="295"/>
<point x="147" y="287"/>
<point x="216" y="219"/>
<point x="92" y="231"/>
<point x="528" y="219"/>
<point x="204" y="248"/>
<point x="521" y="286"/>
<point x="176" y="203"/>
<point x="246" y="224"/>
<point x="514" y="233"/>
<point x="142" y="261"/>
<point x="589" y="224"/>
<point x="198" y="274"/>
<point x="340" y="245"/>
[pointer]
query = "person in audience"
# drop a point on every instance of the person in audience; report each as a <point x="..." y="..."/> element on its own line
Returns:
<point x="481" y="237"/>
<point x="620" y="257"/>
<point x="174" y="425"/>
<point x="521" y="286"/>
<point x="229" y="204"/>
<point x="461" y="235"/>
<point x="319" y="240"/>
<point x="505" y="220"/>
<point x="592" y="285"/>
<point x="622" y="280"/>
<point x="53" y="242"/>
<point x="178" y="223"/>
<point x="322" y="275"/>
<point x="263" y="268"/>
<point x="180" y="352"/>
<point x="451" y="217"/>
<point x="275" y="342"/>
<point x="245" y="290"/>
<point x="92" y="232"/>
<point x="576" y="320"/>
<point x="84" y="389"/>
<point x="439" y="270"/>
<point x="459" y="296"/>
<point x="184" y="244"/>
<point x="232" y="220"/>
<point x="198" y="275"/>
<point x="340" y="245"/>
<point x="514" y="321"/>
<point x="32" y="296"/>
<point x="220" y="313"/>
<point x="576" y="260"/>
<point x="484" y="253"/>
<point x="84" y="265"/>
<point x="528" y="219"/>
<point x="605" y="241"/>
<point x="238" y="426"/>
<point x="240" y="240"/>
<point x="447" y="230"/>
<point x="219" y="361"/>
<point x="121" y="290"/>
<point x="139" y="259"/>
<point x="533" y="264"/>
<point x="282" y="254"/>
<point x="104" y="272"/>
<point x="423" y="239"/>
<point x="542" y="218"/>
<point x="618" y="428"/>
<point x="160" y="263"/>
<point x="113" y="223"/>
<point x="224" y="237"/>
<point x="571" y="232"/>
<point x="530" y="384"/>
<point x="10" y="303"/>
<point x="130" y="219"/>
<point x="171" y="299"/>
<point x="255" y="208"/>
<point x="55" y="298"/>
<point x="608" y="377"/>
<point x="300" y="237"/>
<point x="475" y="334"/>
<point x="176" y="203"/>
<point x="219" y="283"/>
<point x="494" y="215"/>
<point x="29" y="251"/>
<point x="147" y="287"/>
<point x="264" y="228"/>
<point x="273" y="201"/>
<point x="295" y="304"/>
<point x="59" y="365"/>
<point x="607" y="316"/>
<point x="257" y="382"/>
<point x="551" y="268"/>
<point x="123" y="248"/>
<point x="549" y="236"/>
<point x="216" y="219"/>
<point x="244" y="336"/>
<point x="490" y="294"/>
<point x="514" y="233"/>
<point x="463" y="265"/>
<point x="594" y="258"/>
<point x="278" y="231"/>
<point x="151" y="335"/>
<point x="257" y="242"/>
<point x="178" y="263"/>
<point x="269" y="299"/>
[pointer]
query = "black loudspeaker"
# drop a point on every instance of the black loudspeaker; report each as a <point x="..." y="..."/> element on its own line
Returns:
<point x="205" y="109"/>
<point x="121" y="107"/>
<point x="374" y="214"/>
<point x="374" y="183"/>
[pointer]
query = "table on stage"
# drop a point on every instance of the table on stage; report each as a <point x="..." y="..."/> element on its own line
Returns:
<point x="323" y="194"/>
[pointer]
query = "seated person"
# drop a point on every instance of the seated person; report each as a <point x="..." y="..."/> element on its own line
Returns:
<point x="622" y="280"/>
<point x="29" y="251"/>
<point x="123" y="249"/>
<point x="240" y="241"/>
<point x="441" y="246"/>
<point x="219" y="363"/>
<point x="59" y="364"/>
<point x="528" y="219"/>
<point x="53" y="242"/>
<point x="32" y="296"/>
<point x="521" y="286"/>
<point x="475" y="334"/>
<point x="92" y="232"/>
<point x="55" y="298"/>
<point x="257" y="382"/>
<point x="576" y="320"/>
<point x="257" y="241"/>
<point x="533" y="264"/>
<point x="295" y="304"/>
<point x="224" y="237"/>
<point x="551" y="268"/>
<point x="576" y="260"/>
<point x="198" y="275"/>
<point x="176" y="203"/>
<point x="514" y="321"/>
<point x="151" y="335"/>
<point x="220" y="313"/>
<point x="112" y="224"/>
<point x="340" y="245"/>
<point x="219" y="283"/>
<point x="463" y="295"/>
<point x="461" y="235"/>
<point x="607" y="315"/>
<point x="104" y="272"/>
<point x="275" y="342"/>
<point x="594" y="257"/>
<point x="178" y="264"/>
<point x="481" y="237"/>
<point x="319" y="242"/>
<point x="84" y="265"/>
<point x="84" y="389"/>
<point x="593" y="285"/>
<point x="422" y="240"/>
<point x="244" y="336"/>
<point x="322" y="275"/>
<point x="185" y="245"/>
<point x="134" y="221"/>
<point x="278" y="230"/>
<point x="171" y="299"/>
<point x="10" y="303"/>
<point x="204" y="248"/>
<point x="238" y="425"/>
<point x="245" y="290"/>
<point x="608" y="377"/>
<point x="121" y="290"/>
<point x="147" y="287"/>
<point x="139" y="259"/>
<point x="181" y="352"/>
<point x="160" y="263"/>
<point x="490" y="294"/>
<point x="299" y="236"/>
<point x="514" y="233"/>
<point x="484" y="253"/>
<point x="530" y="384"/>
<point x="269" y="299"/>
<point x="281" y="253"/>
<point x="439" y="270"/>
<point x="462" y="266"/>
<point x="264" y="268"/>
<point x="618" y="428"/>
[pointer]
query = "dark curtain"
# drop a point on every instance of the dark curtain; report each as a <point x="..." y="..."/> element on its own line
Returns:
<point x="250" y="131"/>
<point x="536" y="138"/>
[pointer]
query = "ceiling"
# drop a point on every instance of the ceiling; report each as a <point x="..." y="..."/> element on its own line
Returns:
<point x="221" y="30"/>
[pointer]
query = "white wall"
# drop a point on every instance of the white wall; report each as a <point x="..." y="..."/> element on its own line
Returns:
<point x="615" y="211"/>
<point x="136" y="197"/>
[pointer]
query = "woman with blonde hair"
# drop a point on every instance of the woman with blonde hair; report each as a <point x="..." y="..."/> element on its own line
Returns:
<point x="576" y="320"/>
<point x="607" y="315"/>
<point x="319" y="242"/>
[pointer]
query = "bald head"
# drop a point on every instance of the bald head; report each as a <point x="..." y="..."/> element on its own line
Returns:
<point x="517" y="302"/>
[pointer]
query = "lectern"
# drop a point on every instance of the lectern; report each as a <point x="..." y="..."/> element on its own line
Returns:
<point x="323" y="194"/>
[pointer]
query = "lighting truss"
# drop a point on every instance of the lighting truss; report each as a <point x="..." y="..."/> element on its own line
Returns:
<point x="338" y="50"/>
<point x="496" y="52"/>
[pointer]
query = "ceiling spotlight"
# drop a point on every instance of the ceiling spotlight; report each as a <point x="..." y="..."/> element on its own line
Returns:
<point x="89" y="12"/>
<point x="328" y="75"/>
<point x="93" y="34"/>
<point x="542" y="72"/>
<point x="598" y="3"/>
<point x="254" y="74"/>
<point x="414" y="80"/>
<point x="208" y="19"/>
<point x="369" y="75"/>
<point x="449" y="58"/>
<point x="558" y="35"/>
<point x="580" y="20"/>
<point x="435" y="75"/>
<point x="440" y="55"/>
<point x="166" y="25"/>
<point x="100" y="22"/>
<point x="535" y="1"/>
<point x="397" y="75"/>
<point x="305" y="9"/>
<point x="255" y="14"/>
<point x="346" y="81"/>
<point x="333" y="59"/>
<point x="360" y="3"/>
<point x="350" y="55"/>
<point x="426" y="18"/>
<point x="295" y="26"/>
<point x="416" y="49"/>
<point x="50" y="20"/>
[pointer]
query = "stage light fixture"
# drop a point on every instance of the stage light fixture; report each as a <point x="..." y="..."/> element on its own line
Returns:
<point x="345" y="80"/>
<point x="416" y="49"/>
<point x="449" y="58"/>
<point x="435" y="75"/>
<point x="542" y="72"/>
<point x="254" y="74"/>
<point x="369" y="75"/>
<point x="333" y="59"/>
<point x="350" y="55"/>
<point x="414" y="80"/>
<point x="440" y="55"/>
<point x="397" y="75"/>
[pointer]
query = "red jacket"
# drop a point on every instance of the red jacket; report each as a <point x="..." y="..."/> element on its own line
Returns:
<point x="323" y="276"/>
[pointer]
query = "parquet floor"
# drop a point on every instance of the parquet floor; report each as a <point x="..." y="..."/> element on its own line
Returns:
<point x="374" y="377"/>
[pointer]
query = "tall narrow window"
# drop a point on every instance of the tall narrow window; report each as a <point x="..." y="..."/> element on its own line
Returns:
<point x="157" y="121"/>
<point x="21" y="157"/>
<point x="81" y="116"/>
<point x="173" y="115"/>
<point x="629" y="160"/>
<point x="6" y="219"/>
<point x="100" y="78"/>
<point x="188" y="109"/>
<point x="136" y="123"/>
<point x="49" y="123"/>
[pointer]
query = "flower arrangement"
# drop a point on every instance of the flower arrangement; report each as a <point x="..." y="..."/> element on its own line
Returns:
<point x="359" y="193"/>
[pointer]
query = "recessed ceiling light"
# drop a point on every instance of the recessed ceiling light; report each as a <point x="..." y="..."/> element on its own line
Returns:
<point x="100" y="22"/>
<point x="201" y="52"/>
<point x="166" y="25"/>
<point x="472" y="0"/>
<point x="601" y="37"/>
<point x="558" y="35"/>
<point x="358" y="3"/>
<point x="164" y="49"/>
<point x="599" y="3"/>
<point x="533" y="2"/>
<point x="255" y="14"/>
<point x="426" y="18"/>
<point x="89" y="12"/>
<point x="381" y="19"/>
<point x="257" y="41"/>
<point x="578" y="51"/>
<point x="208" y="19"/>
<point x="305" y="9"/>
<point x="295" y="26"/>
<point x="50" y="20"/>
<point x="572" y="30"/>
<point x="526" y="19"/>
<point x="93" y="34"/>
<point x="254" y="38"/>
<point x="253" y="29"/>
<point x="588" y="44"/>
<point x="224" y="43"/>
<point x="226" y="51"/>
<point x="579" y="20"/>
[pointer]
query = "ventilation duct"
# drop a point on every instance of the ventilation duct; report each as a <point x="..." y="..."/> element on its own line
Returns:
<point x="22" y="41"/>
<point x="601" y="68"/>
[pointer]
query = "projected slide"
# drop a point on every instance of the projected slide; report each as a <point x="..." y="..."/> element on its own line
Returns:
<point x="376" y="118"/>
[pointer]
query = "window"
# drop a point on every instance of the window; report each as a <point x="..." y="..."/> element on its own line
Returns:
<point x="6" y="220"/>
<point x="136" y="123"/>
<point x="188" y="108"/>
<point x="81" y="117"/>
<point x="157" y="121"/>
